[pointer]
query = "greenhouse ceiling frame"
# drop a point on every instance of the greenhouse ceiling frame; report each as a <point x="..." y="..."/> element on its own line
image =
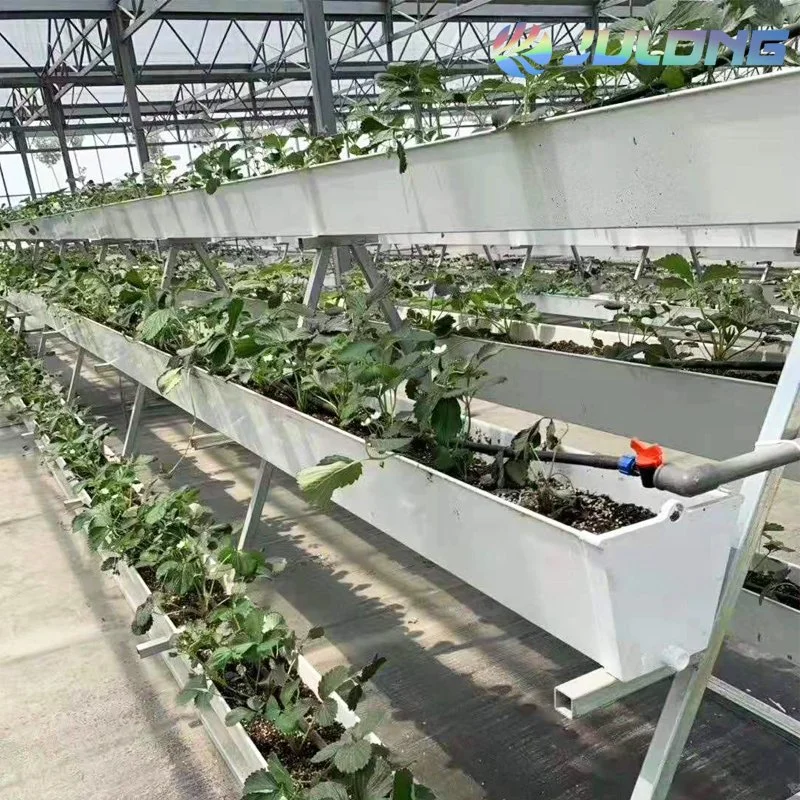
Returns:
<point x="92" y="45"/>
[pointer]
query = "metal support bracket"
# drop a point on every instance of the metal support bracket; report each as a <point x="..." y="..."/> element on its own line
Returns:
<point x="256" y="505"/>
<point x="131" y="435"/>
<point x="598" y="689"/>
<point x="639" y="271"/>
<point x="206" y="260"/>
<point x="154" y="647"/>
<point x="576" y="257"/>
<point x="76" y="373"/>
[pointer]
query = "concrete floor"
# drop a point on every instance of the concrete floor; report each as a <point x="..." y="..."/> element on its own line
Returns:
<point x="467" y="690"/>
<point x="81" y="716"/>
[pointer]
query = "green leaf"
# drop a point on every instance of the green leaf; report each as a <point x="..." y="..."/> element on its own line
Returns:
<point x="261" y="784"/>
<point x="403" y="786"/>
<point x="280" y="773"/>
<point x="446" y="419"/>
<point x="677" y="265"/>
<point x="327" y="752"/>
<point x="353" y="756"/>
<point x="134" y="278"/>
<point x="326" y="713"/>
<point x="155" y="513"/>
<point x="254" y="624"/>
<point x="673" y="77"/>
<point x="169" y="380"/>
<point x="195" y="690"/>
<point x="369" y="672"/>
<point x="672" y="283"/>
<point x="718" y="272"/>
<point x="332" y="680"/>
<point x="355" y="352"/>
<point x="328" y="791"/>
<point x="319" y="483"/>
<point x="371" y="125"/>
<point x="238" y="715"/>
<point x="153" y="325"/>
<point x="389" y="445"/>
<point x="379" y="782"/>
<point x="143" y="618"/>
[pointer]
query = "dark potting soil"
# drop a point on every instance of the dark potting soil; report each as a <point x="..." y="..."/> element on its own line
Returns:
<point x="269" y="740"/>
<point x="587" y="511"/>
<point x="788" y="593"/>
<point x="184" y="609"/>
<point x="566" y="346"/>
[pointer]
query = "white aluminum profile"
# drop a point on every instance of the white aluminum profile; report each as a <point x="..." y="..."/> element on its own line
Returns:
<point x="749" y="242"/>
<point x="660" y="163"/>
<point x="624" y="598"/>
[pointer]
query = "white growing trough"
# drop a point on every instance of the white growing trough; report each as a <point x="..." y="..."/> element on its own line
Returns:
<point x="573" y="174"/>
<point x="722" y="415"/>
<point x="625" y="599"/>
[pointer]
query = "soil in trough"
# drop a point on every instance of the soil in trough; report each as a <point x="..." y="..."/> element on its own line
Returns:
<point x="269" y="740"/>
<point x="587" y="511"/>
<point x="788" y="593"/>
<point x="185" y="609"/>
<point x="595" y="513"/>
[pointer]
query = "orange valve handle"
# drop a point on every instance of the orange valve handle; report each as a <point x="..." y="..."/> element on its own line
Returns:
<point x="649" y="457"/>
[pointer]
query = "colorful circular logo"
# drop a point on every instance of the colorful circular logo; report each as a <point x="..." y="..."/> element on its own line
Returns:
<point x="520" y="50"/>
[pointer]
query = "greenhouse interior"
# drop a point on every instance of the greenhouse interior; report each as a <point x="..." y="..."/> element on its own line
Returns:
<point x="400" y="400"/>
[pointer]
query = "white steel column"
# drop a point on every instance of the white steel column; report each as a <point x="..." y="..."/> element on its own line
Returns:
<point x="76" y="373"/>
<point x="317" y="278"/>
<point x="260" y="490"/>
<point x="375" y="281"/>
<point x="131" y="435"/>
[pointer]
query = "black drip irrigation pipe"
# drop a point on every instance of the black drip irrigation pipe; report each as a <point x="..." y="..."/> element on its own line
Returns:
<point x="581" y="459"/>
<point x="745" y="366"/>
<point x="712" y="366"/>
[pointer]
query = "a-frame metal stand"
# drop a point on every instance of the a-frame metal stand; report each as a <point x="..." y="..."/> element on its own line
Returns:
<point x="330" y="253"/>
<point x="688" y="686"/>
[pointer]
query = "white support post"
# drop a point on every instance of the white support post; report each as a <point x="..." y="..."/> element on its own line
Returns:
<point x="698" y="269"/>
<point x="576" y="257"/>
<point x="527" y="261"/>
<point x="256" y="506"/>
<point x="169" y="266"/>
<point x="487" y="251"/>
<point x="207" y="262"/>
<point x="689" y="685"/>
<point x="639" y="271"/>
<point x="103" y="254"/>
<point x="131" y="435"/>
<point x="62" y="248"/>
<point x="442" y="255"/>
<point x="374" y="281"/>
<point x="316" y="280"/>
<point x="43" y="335"/>
<point x="76" y="373"/>
<point x="765" y="273"/>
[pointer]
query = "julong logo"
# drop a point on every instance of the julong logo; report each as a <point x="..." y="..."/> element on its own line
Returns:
<point x="521" y="49"/>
